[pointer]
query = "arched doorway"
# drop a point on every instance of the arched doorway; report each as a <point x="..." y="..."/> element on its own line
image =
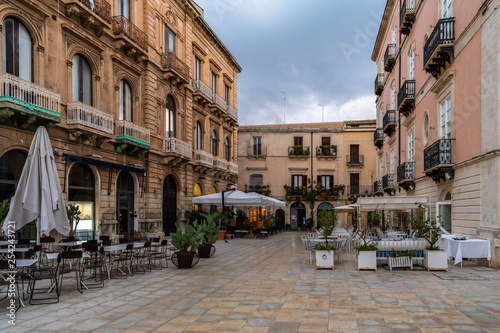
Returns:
<point x="169" y="205"/>
<point x="81" y="192"/>
<point x="443" y="211"/>
<point x="125" y="209"/>
<point x="280" y="213"/>
<point x="297" y="215"/>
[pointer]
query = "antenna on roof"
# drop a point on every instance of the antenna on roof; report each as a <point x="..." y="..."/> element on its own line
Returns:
<point x="284" y="106"/>
<point x="323" y="114"/>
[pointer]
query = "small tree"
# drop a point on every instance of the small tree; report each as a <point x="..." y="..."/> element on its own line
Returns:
<point x="428" y="229"/>
<point x="74" y="213"/>
<point x="327" y="219"/>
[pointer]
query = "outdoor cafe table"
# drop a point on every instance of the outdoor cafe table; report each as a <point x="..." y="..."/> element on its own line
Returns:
<point x="470" y="248"/>
<point x="120" y="247"/>
<point x="4" y="252"/>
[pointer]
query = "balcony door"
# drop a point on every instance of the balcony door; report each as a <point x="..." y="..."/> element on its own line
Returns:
<point x="257" y="145"/>
<point x="169" y="41"/>
<point x="447" y="8"/>
<point x="125" y="202"/>
<point x="443" y="214"/>
<point x="297" y="215"/>
<point x="169" y="206"/>
<point x="354" y="183"/>
<point x="123" y="8"/>
<point x="445" y="118"/>
<point x="82" y="80"/>
<point x="170" y="115"/>
<point x="354" y="152"/>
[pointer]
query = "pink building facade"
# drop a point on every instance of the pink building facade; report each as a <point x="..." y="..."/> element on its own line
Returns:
<point x="438" y="120"/>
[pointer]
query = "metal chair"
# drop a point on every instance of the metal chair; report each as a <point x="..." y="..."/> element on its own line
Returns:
<point x="121" y="263"/>
<point x="93" y="267"/>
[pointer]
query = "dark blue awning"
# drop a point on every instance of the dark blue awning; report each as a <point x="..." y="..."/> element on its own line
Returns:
<point x="99" y="163"/>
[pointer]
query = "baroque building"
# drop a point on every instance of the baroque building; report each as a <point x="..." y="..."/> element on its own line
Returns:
<point x="437" y="108"/>
<point x="140" y="99"/>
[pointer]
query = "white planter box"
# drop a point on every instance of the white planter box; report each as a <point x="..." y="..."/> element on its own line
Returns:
<point x="400" y="262"/>
<point x="436" y="260"/>
<point x="367" y="260"/>
<point x="324" y="259"/>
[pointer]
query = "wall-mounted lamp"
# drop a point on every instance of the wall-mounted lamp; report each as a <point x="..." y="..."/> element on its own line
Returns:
<point x="447" y="175"/>
<point x="404" y="151"/>
<point x="56" y="153"/>
<point x="431" y="26"/>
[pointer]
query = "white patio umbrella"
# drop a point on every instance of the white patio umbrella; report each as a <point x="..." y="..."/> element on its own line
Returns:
<point x="238" y="198"/>
<point x="38" y="194"/>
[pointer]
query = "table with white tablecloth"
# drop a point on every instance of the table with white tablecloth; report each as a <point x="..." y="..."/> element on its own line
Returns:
<point x="469" y="248"/>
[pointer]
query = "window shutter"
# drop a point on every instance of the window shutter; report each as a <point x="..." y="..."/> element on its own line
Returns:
<point x="331" y="181"/>
<point x="318" y="180"/>
<point x="291" y="183"/>
<point x="304" y="180"/>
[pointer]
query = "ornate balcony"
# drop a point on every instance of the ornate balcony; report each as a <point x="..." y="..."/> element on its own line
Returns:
<point x="439" y="47"/>
<point x="256" y="151"/>
<point x="26" y="105"/>
<point x="378" y="137"/>
<point x="202" y="93"/>
<point x="175" y="70"/>
<point x="232" y="112"/>
<point x="220" y="163"/>
<point x="219" y="105"/>
<point x="232" y="168"/>
<point x="438" y="160"/>
<point x="379" y="84"/>
<point x="326" y="151"/>
<point x="406" y="178"/>
<point x="130" y="38"/>
<point x="390" y="57"/>
<point x="388" y="184"/>
<point x="406" y="97"/>
<point x="203" y="161"/>
<point x="177" y="151"/>
<point x="131" y="139"/>
<point x="377" y="188"/>
<point x="359" y="191"/>
<point x="92" y="124"/>
<point x="389" y="122"/>
<point x="355" y="160"/>
<point x="407" y="16"/>
<point x="298" y="151"/>
<point x="94" y="13"/>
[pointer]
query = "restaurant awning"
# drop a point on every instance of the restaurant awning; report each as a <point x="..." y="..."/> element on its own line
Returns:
<point x="238" y="198"/>
<point x="391" y="203"/>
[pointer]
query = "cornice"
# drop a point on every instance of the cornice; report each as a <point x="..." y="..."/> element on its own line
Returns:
<point x="389" y="8"/>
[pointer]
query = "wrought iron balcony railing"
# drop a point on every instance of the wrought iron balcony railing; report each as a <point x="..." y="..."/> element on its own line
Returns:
<point x="169" y="61"/>
<point x="439" y="154"/>
<point x="390" y="57"/>
<point x="256" y="151"/>
<point x="378" y="137"/>
<point x="406" y="175"/>
<point x="355" y="160"/>
<point x="298" y="150"/>
<point x="389" y="122"/>
<point x="176" y="146"/>
<point x="439" y="47"/>
<point x="379" y="84"/>
<point x="88" y="116"/>
<point x="407" y="16"/>
<point x="101" y="7"/>
<point x="388" y="183"/>
<point x="202" y="157"/>
<point x="406" y="97"/>
<point x="359" y="190"/>
<point x="377" y="187"/>
<point x="326" y="151"/>
<point x="122" y="26"/>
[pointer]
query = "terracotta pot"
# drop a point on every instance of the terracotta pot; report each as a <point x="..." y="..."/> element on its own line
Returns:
<point x="221" y="235"/>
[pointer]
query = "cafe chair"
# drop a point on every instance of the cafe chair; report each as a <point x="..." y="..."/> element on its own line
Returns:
<point x="70" y="262"/>
<point x="158" y="253"/>
<point x="143" y="259"/>
<point x="121" y="263"/>
<point x="93" y="267"/>
<point x="5" y="283"/>
<point x="44" y="285"/>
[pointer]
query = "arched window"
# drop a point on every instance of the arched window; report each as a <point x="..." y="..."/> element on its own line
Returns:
<point x="170" y="117"/>
<point x="199" y="135"/>
<point x="17" y="49"/>
<point x="11" y="167"/>
<point x="82" y="80"/>
<point x="123" y="8"/>
<point x="226" y="149"/>
<point x="196" y="193"/>
<point x="214" y="143"/>
<point x="125" y="101"/>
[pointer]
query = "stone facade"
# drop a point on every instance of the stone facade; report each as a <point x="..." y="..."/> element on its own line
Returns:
<point x="138" y="91"/>
<point x="441" y="82"/>
<point x="277" y="160"/>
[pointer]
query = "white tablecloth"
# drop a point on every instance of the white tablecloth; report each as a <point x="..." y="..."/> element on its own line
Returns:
<point x="470" y="248"/>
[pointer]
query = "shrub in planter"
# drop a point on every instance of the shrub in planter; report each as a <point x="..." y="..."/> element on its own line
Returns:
<point x="210" y="231"/>
<point x="186" y="241"/>
<point x="325" y="251"/>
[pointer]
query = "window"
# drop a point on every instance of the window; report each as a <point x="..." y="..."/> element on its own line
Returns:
<point x="257" y="146"/>
<point x="425" y="129"/>
<point x="325" y="141"/>
<point x="199" y="135"/>
<point x="17" y="49"/>
<point x="381" y="166"/>
<point x="411" y="147"/>
<point x="411" y="63"/>
<point x="256" y="179"/>
<point x="197" y="68"/>
<point x="170" y="117"/>
<point x="392" y="160"/>
<point x="226" y="149"/>
<point x="214" y="83"/>
<point x="393" y="94"/>
<point x="447" y="8"/>
<point x="326" y="181"/>
<point x="297" y="141"/>
<point x="169" y="41"/>
<point x="226" y="93"/>
<point x="299" y="180"/>
<point x="394" y="35"/>
<point x="125" y="101"/>
<point x="82" y="80"/>
<point x="381" y="119"/>
<point x="445" y="118"/>
<point x="214" y="143"/>
<point x="123" y="8"/>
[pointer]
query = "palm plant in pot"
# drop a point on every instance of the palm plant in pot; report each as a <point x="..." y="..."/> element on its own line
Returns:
<point x="186" y="241"/>
<point x="325" y="251"/>
<point x="210" y="231"/>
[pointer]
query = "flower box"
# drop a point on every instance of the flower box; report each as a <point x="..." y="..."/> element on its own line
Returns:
<point x="324" y="259"/>
<point x="367" y="260"/>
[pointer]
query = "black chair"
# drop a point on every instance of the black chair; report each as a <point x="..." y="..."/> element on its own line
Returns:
<point x="93" y="267"/>
<point x="6" y="272"/>
<point x="47" y="291"/>
<point x="70" y="261"/>
<point x="23" y="243"/>
<point x="143" y="259"/>
<point x="121" y="263"/>
<point x="158" y="253"/>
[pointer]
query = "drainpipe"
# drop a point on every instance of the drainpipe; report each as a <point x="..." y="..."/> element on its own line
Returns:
<point x="312" y="178"/>
<point x="399" y="114"/>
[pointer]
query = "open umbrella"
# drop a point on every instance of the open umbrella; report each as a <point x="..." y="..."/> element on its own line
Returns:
<point x="38" y="194"/>
<point x="238" y="198"/>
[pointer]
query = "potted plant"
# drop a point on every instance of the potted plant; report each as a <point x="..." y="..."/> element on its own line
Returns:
<point x="210" y="231"/>
<point x="149" y="230"/>
<point x="74" y="213"/>
<point x="435" y="259"/>
<point x="334" y="149"/>
<point x="366" y="252"/>
<point x="325" y="251"/>
<point x="186" y="241"/>
<point x="222" y="220"/>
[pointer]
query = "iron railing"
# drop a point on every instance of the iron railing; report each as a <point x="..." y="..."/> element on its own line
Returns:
<point x="405" y="171"/>
<point x="174" y="145"/>
<point x="406" y="91"/>
<point x="255" y="151"/>
<point x="378" y="137"/>
<point x="86" y="115"/>
<point x="443" y="33"/>
<point x="101" y="7"/>
<point x="170" y="61"/>
<point x="389" y="120"/>
<point x="298" y="150"/>
<point x="355" y="159"/>
<point x="379" y="83"/>
<point x="408" y="7"/>
<point x="388" y="181"/>
<point x="354" y="190"/>
<point x="122" y="26"/>
<point x="202" y="157"/>
<point x="326" y="150"/>
<point x="377" y="186"/>
<point x="390" y="56"/>
<point x="133" y="131"/>
<point x="438" y="154"/>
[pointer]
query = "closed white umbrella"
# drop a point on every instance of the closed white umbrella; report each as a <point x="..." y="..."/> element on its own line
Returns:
<point x="38" y="194"/>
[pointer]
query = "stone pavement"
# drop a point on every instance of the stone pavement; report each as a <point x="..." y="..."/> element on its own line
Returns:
<point x="264" y="285"/>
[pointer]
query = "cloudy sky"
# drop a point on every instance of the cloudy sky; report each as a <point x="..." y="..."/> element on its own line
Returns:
<point x="317" y="51"/>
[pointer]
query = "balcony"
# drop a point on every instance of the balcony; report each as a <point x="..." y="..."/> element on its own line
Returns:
<point x="177" y="151"/>
<point x="390" y="57"/>
<point x="219" y="105"/>
<point x="203" y="159"/>
<point x="377" y="188"/>
<point x="326" y="151"/>
<point x="359" y="191"/>
<point x="298" y="151"/>
<point x="130" y="38"/>
<point x="220" y="163"/>
<point x="355" y="160"/>
<point x="406" y="97"/>
<point x="256" y="151"/>
<point x="84" y="118"/>
<point x="407" y="16"/>
<point x="438" y="160"/>
<point x="389" y="122"/>
<point x="94" y="13"/>
<point x="378" y="137"/>
<point x="439" y="47"/>
<point x="26" y="105"/>
<point x="131" y="139"/>
<point x="379" y="84"/>
<point x="388" y="184"/>
<point x="406" y="176"/>
<point x="232" y="112"/>
<point x="175" y="70"/>
<point x="232" y="168"/>
<point x="202" y="93"/>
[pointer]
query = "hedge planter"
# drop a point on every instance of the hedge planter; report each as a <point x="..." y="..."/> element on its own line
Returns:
<point x="367" y="260"/>
<point x="185" y="259"/>
<point x="206" y="250"/>
<point x="324" y="259"/>
<point x="436" y="260"/>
